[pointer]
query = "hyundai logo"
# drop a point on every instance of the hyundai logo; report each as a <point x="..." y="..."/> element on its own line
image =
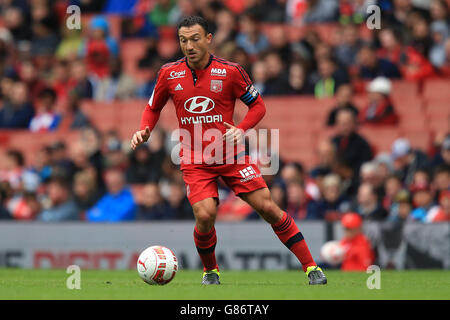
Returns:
<point x="199" y="104"/>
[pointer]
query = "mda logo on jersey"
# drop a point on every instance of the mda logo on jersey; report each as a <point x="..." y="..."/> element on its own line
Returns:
<point x="199" y="104"/>
<point x="219" y="72"/>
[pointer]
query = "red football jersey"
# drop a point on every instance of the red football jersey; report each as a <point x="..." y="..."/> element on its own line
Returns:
<point x="203" y="100"/>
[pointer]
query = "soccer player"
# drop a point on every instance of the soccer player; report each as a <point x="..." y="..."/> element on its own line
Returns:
<point x="204" y="89"/>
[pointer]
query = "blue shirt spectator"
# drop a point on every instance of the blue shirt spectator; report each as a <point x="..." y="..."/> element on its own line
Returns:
<point x="117" y="204"/>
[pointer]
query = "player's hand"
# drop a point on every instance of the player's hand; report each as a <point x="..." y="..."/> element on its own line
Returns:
<point x="140" y="137"/>
<point x="233" y="134"/>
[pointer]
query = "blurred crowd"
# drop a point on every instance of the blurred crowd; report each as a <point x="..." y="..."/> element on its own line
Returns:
<point x="47" y="70"/>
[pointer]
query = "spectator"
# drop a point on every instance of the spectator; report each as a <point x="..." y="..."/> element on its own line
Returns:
<point x="392" y="186"/>
<point x="439" y="10"/>
<point x="349" y="44"/>
<point x="326" y="155"/>
<point x="161" y="13"/>
<point x="328" y="78"/>
<point x="380" y="110"/>
<point x="13" y="168"/>
<point x="143" y="167"/>
<point x="441" y="179"/>
<point x="368" y="205"/>
<point x="61" y="80"/>
<point x="226" y="28"/>
<point x="70" y="44"/>
<point x="278" y="192"/>
<point x="440" y="34"/>
<point x="443" y="157"/>
<point x="62" y="207"/>
<point x="299" y="205"/>
<point x="370" y="66"/>
<point x="350" y="146"/>
<point x="250" y="38"/>
<point x="279" y="43"/>
<point x="294" y="172"/>
<point x="422" y="201"/>
<point x="86" y="193"/>
<point x="407" y="161"/>
<point x="44" y="41"/>
<point x="99" y="48"/>
<point x="18" y="111"/>
<point x="46" y="119"/>
<point x="153" y="206"/>
<point x="441" y="212"/>
<point x="117" y="86"/>
<point x="321" y="11"/>
<point x="79" y="119"/>
<point x="82" y="86"/>
<point x="117" y="204"/>
<point x="298" y="79"/>
<point x="277" y="82"/>
<point x="359" y="254"/>
<point x="344" y="95"/>
<point x="29" y="74"/>
<point x="401" y="208"/>
<point x="178" y="201"/>
<point x="409" y="60"/>
<point x="24" y="206"/>
<point x="333" y="203"/>
<point x="370" y="173"/>
<point x="259" y="76"/>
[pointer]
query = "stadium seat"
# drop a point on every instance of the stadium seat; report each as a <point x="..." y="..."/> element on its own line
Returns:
<point x="438" y="107"/>
<point x="380" y="138"/>
<point x="436" y="88"/>
<point x="418" y="139"/>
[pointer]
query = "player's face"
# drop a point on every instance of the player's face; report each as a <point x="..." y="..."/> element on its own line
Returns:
<point x="194" y="43"/>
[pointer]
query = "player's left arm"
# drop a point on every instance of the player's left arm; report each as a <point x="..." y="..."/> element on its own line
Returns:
<point x="247" y="93"/>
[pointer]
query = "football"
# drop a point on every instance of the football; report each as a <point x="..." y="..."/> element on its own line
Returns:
<point x="332" y="253"/>
<point x="157" y="265"/>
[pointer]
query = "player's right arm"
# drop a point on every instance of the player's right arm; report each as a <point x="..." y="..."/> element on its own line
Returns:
<point x="152" y="111"/>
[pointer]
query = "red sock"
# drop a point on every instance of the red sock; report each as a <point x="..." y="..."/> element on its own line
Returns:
<point x="292" y="238"/>
<point x="206" y="245"/>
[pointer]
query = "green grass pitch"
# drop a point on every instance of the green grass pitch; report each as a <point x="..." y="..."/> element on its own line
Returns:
<point x="237" y="285"/>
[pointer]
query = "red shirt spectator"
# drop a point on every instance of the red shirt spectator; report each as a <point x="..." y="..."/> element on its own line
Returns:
<point x="359" y="254"/>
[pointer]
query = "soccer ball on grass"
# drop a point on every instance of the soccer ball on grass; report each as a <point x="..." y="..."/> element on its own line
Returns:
<point x="157" y="265"/>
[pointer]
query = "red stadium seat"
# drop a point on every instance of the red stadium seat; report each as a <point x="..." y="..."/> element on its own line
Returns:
<point x="419" y="139"/>
<point x="436" y="88"/>
<point x="439" y="107"/>
<point x="380" y="138"/>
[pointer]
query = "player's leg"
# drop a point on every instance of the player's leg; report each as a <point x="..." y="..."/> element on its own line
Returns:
<point x="286" y="230"/>
<point x="201" y="190"/>
<point x="205" y="238"/>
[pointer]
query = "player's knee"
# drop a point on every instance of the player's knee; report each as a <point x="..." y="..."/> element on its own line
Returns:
<point x="267" y="207"/>
<point x="205" y="218"/>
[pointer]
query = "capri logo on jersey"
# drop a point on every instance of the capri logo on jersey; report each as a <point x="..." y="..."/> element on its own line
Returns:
<point x="219" y="72"/>
<point x="199" y="104"/>
<point x="177" y="75"/>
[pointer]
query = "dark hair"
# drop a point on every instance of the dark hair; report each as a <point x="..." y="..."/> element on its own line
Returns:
<point x="17" y="156"/>
<point x="48" y="92"/>
<point x="193" y="20"/>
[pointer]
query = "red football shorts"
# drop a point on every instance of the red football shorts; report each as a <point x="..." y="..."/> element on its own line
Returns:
<point x="201" y="180"/>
